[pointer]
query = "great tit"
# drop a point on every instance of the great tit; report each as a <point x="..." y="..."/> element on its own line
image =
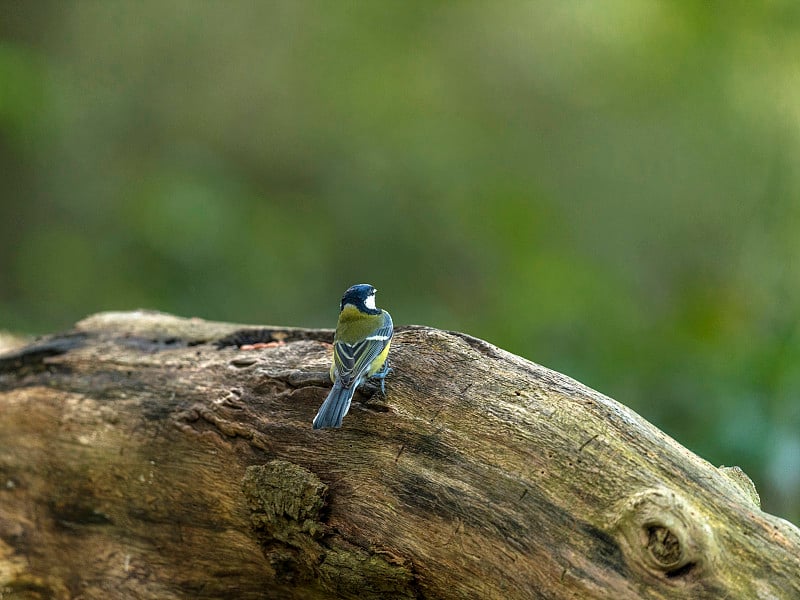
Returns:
<point x="360" y="347"/>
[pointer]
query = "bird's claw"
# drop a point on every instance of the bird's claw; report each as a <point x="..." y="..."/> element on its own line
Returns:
<point x="382" y="374"/>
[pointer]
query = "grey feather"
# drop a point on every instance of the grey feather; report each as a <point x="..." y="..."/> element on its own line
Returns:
<point x="335" y="407"/>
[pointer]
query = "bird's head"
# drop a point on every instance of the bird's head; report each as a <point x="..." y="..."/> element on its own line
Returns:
<point x="362" y="296"/>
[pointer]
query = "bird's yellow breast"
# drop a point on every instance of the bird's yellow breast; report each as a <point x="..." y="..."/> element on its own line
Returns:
<point x="379" y="360"/>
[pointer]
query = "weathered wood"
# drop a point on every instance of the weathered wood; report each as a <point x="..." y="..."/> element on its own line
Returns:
<point x="9" y="341"/>
<point x="146" y="456"/>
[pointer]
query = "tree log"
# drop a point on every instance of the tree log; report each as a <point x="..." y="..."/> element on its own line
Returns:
<point x="148" y="456"/>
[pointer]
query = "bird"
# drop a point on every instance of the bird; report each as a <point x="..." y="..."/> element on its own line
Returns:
<point x="360" y="350"/>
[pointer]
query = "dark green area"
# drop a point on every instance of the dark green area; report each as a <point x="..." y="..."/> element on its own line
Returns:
<point x="609" y="189"/>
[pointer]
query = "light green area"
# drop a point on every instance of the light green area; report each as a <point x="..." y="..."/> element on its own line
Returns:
<point x="607" y="188"/>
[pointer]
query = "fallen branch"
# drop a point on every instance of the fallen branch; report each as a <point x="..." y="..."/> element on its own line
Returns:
<point x="147" y="456"/>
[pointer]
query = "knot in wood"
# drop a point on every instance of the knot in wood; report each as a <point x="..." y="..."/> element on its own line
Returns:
<point x="663" y="535"/>
<point x="663" y="545"/>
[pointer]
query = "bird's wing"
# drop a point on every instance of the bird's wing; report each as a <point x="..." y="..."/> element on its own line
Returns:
<point x="353" y="360"/>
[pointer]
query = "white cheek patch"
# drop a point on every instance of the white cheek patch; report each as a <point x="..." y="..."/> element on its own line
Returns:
<point x="369" y="302"/>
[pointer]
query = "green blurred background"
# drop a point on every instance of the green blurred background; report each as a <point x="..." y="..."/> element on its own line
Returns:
<point x="607" y="188"/>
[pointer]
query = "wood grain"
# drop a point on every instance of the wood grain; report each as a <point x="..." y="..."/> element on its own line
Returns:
<point x="147" y="456"/>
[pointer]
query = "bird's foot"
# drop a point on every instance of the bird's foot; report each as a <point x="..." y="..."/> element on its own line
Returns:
<point x="382" y="374"/>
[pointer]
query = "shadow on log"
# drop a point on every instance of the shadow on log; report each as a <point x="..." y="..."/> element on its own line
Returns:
<point x="147" y="456"/>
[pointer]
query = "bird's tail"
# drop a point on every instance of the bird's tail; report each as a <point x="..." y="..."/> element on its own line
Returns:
<point x="335" y="407"/>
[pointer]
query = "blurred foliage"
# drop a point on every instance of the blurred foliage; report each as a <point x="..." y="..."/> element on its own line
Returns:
<point x="609" y="189"/>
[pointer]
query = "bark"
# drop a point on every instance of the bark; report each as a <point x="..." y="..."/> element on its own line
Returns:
<point x="147" y="456"/>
